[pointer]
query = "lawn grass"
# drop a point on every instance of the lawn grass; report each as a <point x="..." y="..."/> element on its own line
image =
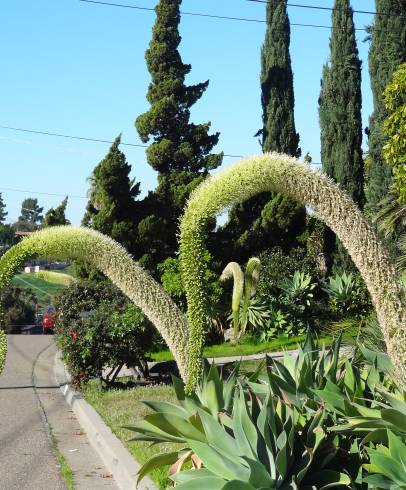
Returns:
<point x="42" y="289"/>
<point x="243" y="349"/>
<point x="123" y="407"/>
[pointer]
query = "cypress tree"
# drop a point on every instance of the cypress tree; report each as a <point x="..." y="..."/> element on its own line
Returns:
<point x="340" y="120"/>
<point x="340" y="106"/>
<point x="31" y="215"/>
<point x="277" y="97"/>
<point x="112" y="207"/>
<point x="387" y="52"/>
<point x="271" y="219"/>
<point x="180" y="151"/>
<point x="3" y="212"/>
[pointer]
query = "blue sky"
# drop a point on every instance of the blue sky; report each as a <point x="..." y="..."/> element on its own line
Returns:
<point x="76" y="68"/>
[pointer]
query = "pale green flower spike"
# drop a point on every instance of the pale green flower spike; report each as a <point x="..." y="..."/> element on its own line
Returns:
<point x="233" y="271"/>
<point x="280" y="173"/>
<point x="66" y="242"/>
<point x="252" y="270"/>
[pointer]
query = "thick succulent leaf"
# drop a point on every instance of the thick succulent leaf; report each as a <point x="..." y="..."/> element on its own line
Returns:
<point x="166" y="407"/>
<point x="217" y="437"/>
<point x="395" y="402"/>
<point x="378" y="359"/>
<point x="219" y="464"/>
<point x="175" y="426"/>
<point x="162" y="459"/>
<point x="211" y="483"/>
<point x="152" y="432"/>
<point x="387" y="466"/>
<point x="244" y="430"/>
<point x="397" y="419"/>
<point x="229" y="388"/>
<point x="187" y="475"/>
<point x="397" y="449"/>
<point x="325" y="479"/>
<point x="238" y="485"/>
<point x="259" y="475"/>
<point x="378" y="481"/>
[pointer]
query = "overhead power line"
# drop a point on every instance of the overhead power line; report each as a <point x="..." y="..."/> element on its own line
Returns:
<point x="331" y="9"/>
<point x="47" y="133"/>
<point x="212" y="16"/>
<point x="10" y="189"/>
<point x="84" y="138"/>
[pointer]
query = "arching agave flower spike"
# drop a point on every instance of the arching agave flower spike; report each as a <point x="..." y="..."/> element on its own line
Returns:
<point x="280" y="173"/>
<point x="233" y="271"/>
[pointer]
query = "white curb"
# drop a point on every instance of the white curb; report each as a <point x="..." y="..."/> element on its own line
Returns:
<point x="115" y="456"/>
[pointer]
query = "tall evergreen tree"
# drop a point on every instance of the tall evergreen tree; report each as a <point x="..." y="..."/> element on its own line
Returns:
<point x="340" y="120"/>
<point x="277" y="97"/>
<point x="180" y="151"/>
<point x="30" y="216"/>
<point x="112" y="207"/>
<point x="56" y="216"/>
<point x="3" y="212"/>
<point x="340" y="106"/>
<point x="270" y="218"/>
<point x="387" y="52"/>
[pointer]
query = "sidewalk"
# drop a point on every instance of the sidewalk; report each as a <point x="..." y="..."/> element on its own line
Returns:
<point x="88" y="469"/>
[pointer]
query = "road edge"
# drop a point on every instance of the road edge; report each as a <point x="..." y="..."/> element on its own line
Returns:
<point x="111" y="450"/>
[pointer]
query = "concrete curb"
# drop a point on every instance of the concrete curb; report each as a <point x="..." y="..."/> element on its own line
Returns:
<point x="110" y="449"/>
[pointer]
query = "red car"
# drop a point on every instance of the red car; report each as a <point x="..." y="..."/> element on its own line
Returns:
<point x="48" y="323"/>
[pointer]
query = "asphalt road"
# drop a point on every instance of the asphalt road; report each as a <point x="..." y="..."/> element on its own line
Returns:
<point x="27" y="460"/>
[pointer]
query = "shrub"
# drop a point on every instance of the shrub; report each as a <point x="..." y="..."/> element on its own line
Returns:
<point x="96" y="328"/>
<point x="19" y="305"/>
<point x="277" y="267"/>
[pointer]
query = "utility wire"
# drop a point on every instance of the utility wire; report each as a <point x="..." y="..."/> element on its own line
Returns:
<point x="83" y="138"/>
<point x="331" y="9"/>
<point x="212" y="16"/>
<point x="47" y="133"/>
<point x="41" y="193"/>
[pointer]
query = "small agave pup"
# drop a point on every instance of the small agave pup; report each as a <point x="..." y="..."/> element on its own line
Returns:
<point x="280" y="173"/>
<point x="244" y="286"/>
<point x="112" y="259"/>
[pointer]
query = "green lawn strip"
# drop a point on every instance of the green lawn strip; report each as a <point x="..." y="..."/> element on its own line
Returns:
<point x="43" y="290"/>
<point x="225" y="349"/>
<point x="123" y="407"/>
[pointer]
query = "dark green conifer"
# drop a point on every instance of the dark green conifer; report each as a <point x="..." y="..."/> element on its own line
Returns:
<point x="56" y="216"/>
<point x="3" y="212"/>
<point x="180" y="151"/>
<point x="387" y="52"/>
<point x="271" y="219"/>
<point x="112" y="207"/>
<point x="340" y="106"/>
